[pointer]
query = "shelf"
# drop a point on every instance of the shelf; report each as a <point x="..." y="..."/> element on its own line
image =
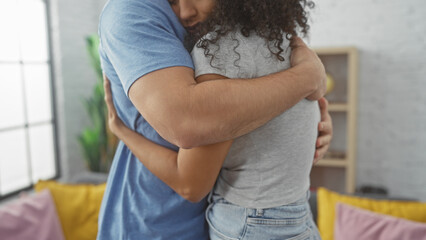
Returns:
<point x="332" y="162"/>
<point x="335" y="50"/>
<point x="338" y="107"/>
<point x="337" y="170"/>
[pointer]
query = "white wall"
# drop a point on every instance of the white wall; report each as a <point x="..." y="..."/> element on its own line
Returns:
<point x="391" y="37"/>
<point x="74" y="77"/>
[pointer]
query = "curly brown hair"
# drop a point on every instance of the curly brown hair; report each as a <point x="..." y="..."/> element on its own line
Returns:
<point x="269" y="19"/>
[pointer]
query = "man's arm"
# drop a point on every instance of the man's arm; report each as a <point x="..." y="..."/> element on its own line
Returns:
<point x="189" y="114"/>
<point x="191" y="173"/>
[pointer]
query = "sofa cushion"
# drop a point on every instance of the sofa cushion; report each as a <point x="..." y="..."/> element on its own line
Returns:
<point x="30" y="217"/>
<point x="354" y="223"/>
<point x="78" y="207"/>
<point x="327" y="201"/>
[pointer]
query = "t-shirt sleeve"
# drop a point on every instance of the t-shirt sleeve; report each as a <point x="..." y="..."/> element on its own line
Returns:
<point x="230" y="57"/>
<point x="140" y="37"/>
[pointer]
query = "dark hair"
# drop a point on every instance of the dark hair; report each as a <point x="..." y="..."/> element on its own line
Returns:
<point x="269" y="19"/>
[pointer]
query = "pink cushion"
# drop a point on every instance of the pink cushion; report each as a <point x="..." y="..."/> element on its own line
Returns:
<point x="31" y="217"/>
<point x="355" y="223"/>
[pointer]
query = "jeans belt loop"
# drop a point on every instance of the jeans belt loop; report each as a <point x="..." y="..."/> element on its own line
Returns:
<point x="259" y="212"/>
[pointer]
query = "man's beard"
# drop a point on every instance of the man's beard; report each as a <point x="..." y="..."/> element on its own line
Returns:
<point x="189" y="42"/>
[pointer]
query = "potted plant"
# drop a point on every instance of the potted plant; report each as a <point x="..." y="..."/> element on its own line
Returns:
<point x="97" y="142"/>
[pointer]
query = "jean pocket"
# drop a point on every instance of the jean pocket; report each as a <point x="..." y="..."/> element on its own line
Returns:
<point x="294" y="228"/>
<point x="226" y="221"/>
<point x="306" y="235"/>
<point x="216" y="235"/>
<point x="277" y="232"/>
<point x="292" y="221"/>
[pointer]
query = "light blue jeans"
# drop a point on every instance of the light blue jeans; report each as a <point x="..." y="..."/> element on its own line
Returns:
<point x="231" y="222"/>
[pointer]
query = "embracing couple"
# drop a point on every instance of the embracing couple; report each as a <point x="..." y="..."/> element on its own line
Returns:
<point x="217" y="142"/>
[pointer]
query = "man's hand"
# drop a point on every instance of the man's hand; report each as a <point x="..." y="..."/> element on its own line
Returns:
<point x="307" y="63"/>
<point x="325" y="131"/>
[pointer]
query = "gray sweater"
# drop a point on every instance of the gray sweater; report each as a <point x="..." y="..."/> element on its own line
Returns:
<point x="270" y="166"/>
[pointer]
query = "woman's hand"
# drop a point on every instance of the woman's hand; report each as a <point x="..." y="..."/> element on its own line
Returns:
<point x="115" y="124"/>
<point x="325" y="131"/>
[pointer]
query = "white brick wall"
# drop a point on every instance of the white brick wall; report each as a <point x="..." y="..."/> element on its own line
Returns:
<point x="391" y="37"/>
<point x="72" y="21"/>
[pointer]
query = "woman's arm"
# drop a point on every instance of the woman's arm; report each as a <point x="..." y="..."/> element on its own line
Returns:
<point x="325" y="131"/>
<point x="191" y="173"/>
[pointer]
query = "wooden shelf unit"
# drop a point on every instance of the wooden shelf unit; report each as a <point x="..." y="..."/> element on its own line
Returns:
<point x="332" y="162"/>
<point x="338" y="107"/>
<point x="344" y="62"/>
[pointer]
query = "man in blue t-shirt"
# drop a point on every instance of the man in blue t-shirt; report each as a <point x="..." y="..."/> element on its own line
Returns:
<point x="152" y="81"/>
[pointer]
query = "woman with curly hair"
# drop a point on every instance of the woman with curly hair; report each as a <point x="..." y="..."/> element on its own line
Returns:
<point x="262" y="178"/>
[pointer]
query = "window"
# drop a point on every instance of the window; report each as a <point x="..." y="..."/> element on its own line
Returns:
<point x="27" y="123"/>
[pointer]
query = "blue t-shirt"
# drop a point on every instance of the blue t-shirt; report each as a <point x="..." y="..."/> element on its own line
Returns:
<point x="138" y="37"/>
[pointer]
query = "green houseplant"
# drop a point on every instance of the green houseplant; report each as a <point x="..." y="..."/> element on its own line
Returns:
<point x="97" y="142"/>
